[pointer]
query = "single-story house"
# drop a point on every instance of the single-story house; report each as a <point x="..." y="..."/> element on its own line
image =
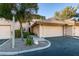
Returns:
<point x="56" y="28"/>
<point x="6" y="27"/>
<point x="44" y="28"/>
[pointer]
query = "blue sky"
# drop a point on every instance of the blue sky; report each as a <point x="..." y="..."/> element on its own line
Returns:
<point x="48" y="9"/>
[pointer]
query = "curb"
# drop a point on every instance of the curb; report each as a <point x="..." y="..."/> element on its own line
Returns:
<point x="76" y="37"/>
<point x="30" y="50"/>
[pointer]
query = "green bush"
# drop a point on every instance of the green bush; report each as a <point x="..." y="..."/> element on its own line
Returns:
<point x="17" y="34"/>
<point x="28" y="41"/>
<point x="25" y="34"/>
<point x="32" y="33"/>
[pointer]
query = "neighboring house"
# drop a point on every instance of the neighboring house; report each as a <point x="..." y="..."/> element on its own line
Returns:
<point x="54" y="28"/>
<point x="6" y="27"/>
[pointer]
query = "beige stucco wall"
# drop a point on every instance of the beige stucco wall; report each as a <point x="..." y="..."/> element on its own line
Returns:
<point x="36" y="30"/>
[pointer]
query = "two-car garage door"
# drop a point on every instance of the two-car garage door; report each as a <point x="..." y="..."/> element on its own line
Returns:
<point x="5" y="32"/>
<point x="52" y="31"/>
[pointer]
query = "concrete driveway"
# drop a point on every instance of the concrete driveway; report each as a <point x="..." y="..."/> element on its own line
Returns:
<point x="61" y="46"/>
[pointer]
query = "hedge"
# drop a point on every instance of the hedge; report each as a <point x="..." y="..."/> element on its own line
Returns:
<point x="25" y="34"/>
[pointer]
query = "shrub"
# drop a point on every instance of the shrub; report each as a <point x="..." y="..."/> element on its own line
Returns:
<point x="27" y="34"/>
<point x="32" y="33"/>
<point x="28" y="41"/>
<point x="17" y="34"/>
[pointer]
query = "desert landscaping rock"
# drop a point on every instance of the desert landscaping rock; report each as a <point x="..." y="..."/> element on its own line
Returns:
<point x="20" y="47"/>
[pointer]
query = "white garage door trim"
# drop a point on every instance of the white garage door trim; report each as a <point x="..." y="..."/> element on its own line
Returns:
<point x="5" y="31"/>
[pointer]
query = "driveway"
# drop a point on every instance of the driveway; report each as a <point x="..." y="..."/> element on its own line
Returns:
<point x="2" y="41"/>
<point x="61" y="46"/>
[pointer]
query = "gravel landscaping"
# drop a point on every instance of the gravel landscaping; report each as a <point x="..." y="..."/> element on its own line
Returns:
<point x="20" y="46"/>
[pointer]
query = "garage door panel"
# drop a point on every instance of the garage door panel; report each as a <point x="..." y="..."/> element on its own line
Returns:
<point x="76" y="30"/>
<point x="4" y="32"/>
<point x="52" y="31"/>
<point x="68" y="30"/>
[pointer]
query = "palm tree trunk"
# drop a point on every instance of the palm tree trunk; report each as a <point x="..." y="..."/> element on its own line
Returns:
<point x="21" y="29"/>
